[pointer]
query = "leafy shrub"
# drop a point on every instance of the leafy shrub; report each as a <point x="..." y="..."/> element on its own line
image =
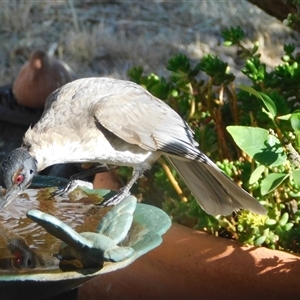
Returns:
<point x="253" y="132"/>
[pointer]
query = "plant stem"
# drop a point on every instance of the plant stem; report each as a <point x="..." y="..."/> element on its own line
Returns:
<point x="233" y="103"/>
<point x="172" y="180"/>
<point x="192" y="107"/>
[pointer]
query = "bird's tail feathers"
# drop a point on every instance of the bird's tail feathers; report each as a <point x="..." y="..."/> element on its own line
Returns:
<point x="214" y="191"/>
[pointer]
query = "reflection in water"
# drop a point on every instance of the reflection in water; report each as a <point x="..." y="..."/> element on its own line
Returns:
<point x="26" y="245"/>
<point x="23" y="256"/>
<point x="15" y="254"/>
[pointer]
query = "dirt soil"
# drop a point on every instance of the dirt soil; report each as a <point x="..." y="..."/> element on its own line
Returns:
<point x="106" y="38"/>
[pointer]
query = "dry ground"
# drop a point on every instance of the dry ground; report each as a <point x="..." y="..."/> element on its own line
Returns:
<point x="105" y="38"/>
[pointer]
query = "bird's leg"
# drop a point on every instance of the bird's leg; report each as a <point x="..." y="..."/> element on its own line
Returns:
<point x="75" y="180"/>
<point x="123" y="192"/>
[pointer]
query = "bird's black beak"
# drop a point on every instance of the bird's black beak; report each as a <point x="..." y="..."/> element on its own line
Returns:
<point x="6" y="196"/>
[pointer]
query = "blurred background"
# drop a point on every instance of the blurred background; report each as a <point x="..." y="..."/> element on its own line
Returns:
<point x="106" y="38"/>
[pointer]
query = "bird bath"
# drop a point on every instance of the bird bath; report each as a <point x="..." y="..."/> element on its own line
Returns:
<point x="34" y="264"/>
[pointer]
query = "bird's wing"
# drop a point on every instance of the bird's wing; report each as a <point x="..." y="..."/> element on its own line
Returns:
<point x="139" y="118"/>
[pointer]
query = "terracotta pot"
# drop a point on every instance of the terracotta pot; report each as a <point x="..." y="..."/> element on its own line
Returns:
<point x="194" y="265"/>
<point x="39" y="77"/>
<point x="107" y="180"/>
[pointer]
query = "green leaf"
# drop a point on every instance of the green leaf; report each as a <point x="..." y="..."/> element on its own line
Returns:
<point x="279" y="230"/>
<point x="218" y="70"/>
<point x="284" y="219"/>
<point x="271" y="182"/>
<point x="256" y="174"/>
<point x="259" y="241"/>
<point x="270" y="105"/>
<point x="258" y="144"/>
<point x="268" y="102"/>
<point x="233" y="34"/>
<point x="285" y="117"/>
<point x="227" y="43"/>
<point x="266" y="232"/>
<point x="135" y="74"/>
<point x="289" y="48"/>
<point x="288" y="226"/>
<point x="295" y="120"/>
<point x="270" y="222"/>
<point x="296" y="177"/>
<point x="179" y="63"/>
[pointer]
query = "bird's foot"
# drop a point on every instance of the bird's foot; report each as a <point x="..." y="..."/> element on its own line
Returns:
<point x="71" y="186"/>
<point x="120" y="196"/>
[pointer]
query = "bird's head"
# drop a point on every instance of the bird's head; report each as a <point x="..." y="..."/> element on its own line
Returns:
<point x="16" y="173"/>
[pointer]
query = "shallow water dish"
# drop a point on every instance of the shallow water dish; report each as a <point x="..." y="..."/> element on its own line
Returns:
<point x="34" y="264"/>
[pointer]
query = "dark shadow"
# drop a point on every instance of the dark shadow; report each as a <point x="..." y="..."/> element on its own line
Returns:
<point x="269" y="154"/>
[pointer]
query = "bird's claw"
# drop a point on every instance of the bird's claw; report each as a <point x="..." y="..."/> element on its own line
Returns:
<point x="120" y="196"/>
<point x="71" y="186"/>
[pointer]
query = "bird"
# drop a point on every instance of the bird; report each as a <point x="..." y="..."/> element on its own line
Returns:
<point x="118" y="122"/>
<point x="38" y="78"/>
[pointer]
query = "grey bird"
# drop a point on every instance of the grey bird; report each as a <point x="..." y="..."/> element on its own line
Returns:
<point x="116" y="122"/>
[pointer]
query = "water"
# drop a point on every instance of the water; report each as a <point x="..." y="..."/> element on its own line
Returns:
<point x="26" y="245"/>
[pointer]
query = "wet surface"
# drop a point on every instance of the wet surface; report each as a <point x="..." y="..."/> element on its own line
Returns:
<point x="28" y="265"/>
<point x="26" y="245"/>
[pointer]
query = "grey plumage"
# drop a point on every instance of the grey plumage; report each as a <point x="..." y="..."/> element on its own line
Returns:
<point x="214" y="191"/>
<point x="118" y="122"/>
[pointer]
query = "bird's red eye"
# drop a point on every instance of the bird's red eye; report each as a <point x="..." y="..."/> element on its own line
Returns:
<point x="19" y="179"/>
